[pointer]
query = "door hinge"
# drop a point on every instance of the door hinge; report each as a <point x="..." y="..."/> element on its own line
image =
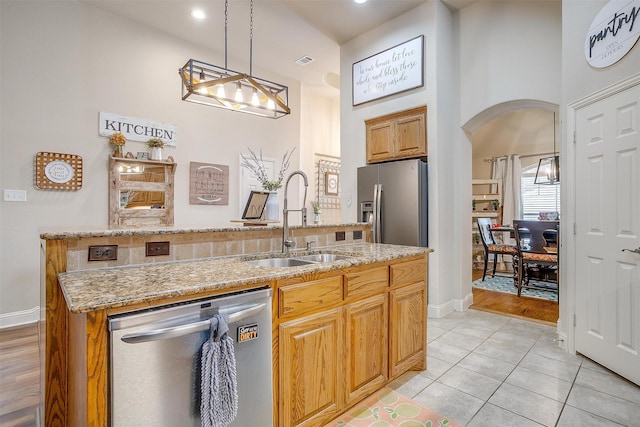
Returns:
<point x="574" y="137"/>
<point x="574" y="319"/>
<point x="575" y="229"/>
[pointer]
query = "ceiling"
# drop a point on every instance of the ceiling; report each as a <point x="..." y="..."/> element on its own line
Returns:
<point x="283" y="31"/>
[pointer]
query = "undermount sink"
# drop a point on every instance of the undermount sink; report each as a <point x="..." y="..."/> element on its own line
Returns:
<point x="323" y="257"/>
<point x="297" y="261"/>
<point x="279" y="262"/>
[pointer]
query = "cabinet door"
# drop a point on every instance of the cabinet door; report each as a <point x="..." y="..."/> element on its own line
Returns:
<point x="379" y="141"/>
<point x="366" y="347"/>
<point x="410" y="136"/>
<point x="407" y="328"/>
<point x="311" y="367"/>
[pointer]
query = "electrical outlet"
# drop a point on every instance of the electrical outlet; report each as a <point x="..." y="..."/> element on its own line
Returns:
<point x="156" y="248"/>
<point x="15" y="196"/>
<point x="103" y="253"/>
<point x="340" y="235"/>
<point x="357" y="234"/>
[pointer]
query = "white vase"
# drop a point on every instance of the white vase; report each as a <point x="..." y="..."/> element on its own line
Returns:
<point x="272" y="208"/>
<point x="156" y="153"/>
<point x="316" y="218"/>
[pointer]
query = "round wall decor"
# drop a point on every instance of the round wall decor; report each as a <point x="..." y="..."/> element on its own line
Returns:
<point x="58" y="171"/>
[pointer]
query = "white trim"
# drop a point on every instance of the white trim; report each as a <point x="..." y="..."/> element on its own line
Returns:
<point x="464" y="303"/>
<point x="438" y="311"/>
<point x="567" y="220"/>
<point x="18" y="318"/>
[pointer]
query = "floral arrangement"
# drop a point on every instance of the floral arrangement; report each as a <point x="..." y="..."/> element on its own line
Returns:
<point x="316" y="206"/>
<point x="155" y="142"/>
<point x="117" y="139"/>
<point x="256" y="165"/>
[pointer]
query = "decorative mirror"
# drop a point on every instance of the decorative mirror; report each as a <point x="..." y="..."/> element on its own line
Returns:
<point x="140" y="193"/>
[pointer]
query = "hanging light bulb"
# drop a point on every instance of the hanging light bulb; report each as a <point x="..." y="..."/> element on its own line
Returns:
<point x="238" y="97"/>
<point x="220" y="92"/>
<point x="202" y="90"/>
<point x="254" y="98"/>
<point x="270" y="104"/>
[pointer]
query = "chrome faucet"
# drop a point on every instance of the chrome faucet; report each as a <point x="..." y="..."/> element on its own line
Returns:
<point x="286" y="241"/>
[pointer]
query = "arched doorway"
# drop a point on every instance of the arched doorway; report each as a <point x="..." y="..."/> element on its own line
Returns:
<point x="525" y="130"/>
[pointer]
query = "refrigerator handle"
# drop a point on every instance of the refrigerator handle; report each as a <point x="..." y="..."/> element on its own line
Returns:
<point x="377" y="208"/>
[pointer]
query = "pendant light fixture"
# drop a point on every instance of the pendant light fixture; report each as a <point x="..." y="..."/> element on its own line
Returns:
<point x="221" y="87"/>
<point x="548" y="172"/>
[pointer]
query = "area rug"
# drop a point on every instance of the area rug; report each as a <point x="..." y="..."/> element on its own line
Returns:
<point x="505" y="284"/>
<point x="388" y="408"/>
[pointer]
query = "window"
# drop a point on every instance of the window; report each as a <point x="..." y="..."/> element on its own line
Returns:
<point x="537" y="198"/>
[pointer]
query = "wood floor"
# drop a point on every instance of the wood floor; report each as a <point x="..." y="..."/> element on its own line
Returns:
<point x="503" y="303"/>
<point x="19" y="376"/>
<point x="20" y="353"/>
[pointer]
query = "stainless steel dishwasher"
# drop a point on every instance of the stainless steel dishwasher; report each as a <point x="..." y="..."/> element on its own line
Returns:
<point x="155" y="361"/>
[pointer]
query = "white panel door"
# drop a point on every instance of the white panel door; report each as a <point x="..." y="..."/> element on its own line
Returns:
<point x="607" y="222"/>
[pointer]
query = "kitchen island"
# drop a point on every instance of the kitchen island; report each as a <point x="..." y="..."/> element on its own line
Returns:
<point x="373" y="302"/>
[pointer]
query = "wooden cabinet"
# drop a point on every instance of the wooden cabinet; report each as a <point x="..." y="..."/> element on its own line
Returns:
<point x="341" y="337"/>
<point x="407" y="317"/>
<point x="401" y="135"/>
<point x="311" y="369"/>
<point x="366" y="349"/>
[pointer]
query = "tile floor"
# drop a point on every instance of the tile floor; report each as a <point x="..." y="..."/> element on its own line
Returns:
<point x="485" y="369"/>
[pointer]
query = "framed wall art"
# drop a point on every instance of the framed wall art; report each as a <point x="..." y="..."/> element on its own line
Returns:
<point x="208" y="184"/>
<point x="255" y="205"/>
<point x="397" y="69"/>
<point x="331" y="183"/>
<point x="58" y="171"/>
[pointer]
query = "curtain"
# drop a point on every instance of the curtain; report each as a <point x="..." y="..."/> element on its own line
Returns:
<point x="508" y="169"/>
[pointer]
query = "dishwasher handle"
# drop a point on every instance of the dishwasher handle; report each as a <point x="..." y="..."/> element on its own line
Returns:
<point x="191" y="328"/>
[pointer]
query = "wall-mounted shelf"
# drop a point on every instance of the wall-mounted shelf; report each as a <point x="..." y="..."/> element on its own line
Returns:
<point x="140" y="192"/>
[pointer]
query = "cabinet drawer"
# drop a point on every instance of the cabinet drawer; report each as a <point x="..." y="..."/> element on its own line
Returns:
<point x="304" y="297"/>
<point x="365" y="282"/>
<point x="408" y="272"/>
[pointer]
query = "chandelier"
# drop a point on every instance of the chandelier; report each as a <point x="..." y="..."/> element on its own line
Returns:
<point x="222" y="87"/>
<point x="548" y="172"/>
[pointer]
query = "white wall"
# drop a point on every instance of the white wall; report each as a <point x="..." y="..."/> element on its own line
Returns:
<point x="439" y="93"/>
<point x="487" y="54"/>
<point x="64" y="62"/>
<point x="509" y="50"/>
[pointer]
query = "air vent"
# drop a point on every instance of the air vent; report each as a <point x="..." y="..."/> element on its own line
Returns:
<point x="304" y="60"/>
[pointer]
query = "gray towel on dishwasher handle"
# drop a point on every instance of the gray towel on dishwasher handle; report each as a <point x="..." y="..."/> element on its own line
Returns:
<point x="219" y="388"/>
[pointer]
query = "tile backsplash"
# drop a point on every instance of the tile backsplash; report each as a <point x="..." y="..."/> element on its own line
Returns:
<point x="196" y="244"/>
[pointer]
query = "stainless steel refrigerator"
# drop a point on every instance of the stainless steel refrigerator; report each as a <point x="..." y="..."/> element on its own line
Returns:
<point x="393" y="197"/>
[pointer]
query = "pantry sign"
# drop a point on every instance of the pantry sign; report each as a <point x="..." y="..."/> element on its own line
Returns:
<point x="613" y="33"/>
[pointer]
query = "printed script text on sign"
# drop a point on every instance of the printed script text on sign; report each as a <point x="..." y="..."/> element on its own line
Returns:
<point x="394" y="70"/>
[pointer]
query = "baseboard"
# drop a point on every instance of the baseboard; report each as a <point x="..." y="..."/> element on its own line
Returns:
<point x="465" y="303"/>
<point x="18" y="318"/>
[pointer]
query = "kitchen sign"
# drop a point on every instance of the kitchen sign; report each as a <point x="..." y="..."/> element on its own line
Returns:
<point x="613" y="33"/>
<point x="397" y="69"/>
<point x="135" y="129"/>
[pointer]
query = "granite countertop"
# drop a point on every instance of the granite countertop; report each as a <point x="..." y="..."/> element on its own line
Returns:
<point x="63" y="234"/>
<point x="90" y="290"/>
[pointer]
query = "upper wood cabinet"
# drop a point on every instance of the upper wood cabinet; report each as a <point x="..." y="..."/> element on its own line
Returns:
<point x="400" y="135"/>
<point x="140" y="192"/>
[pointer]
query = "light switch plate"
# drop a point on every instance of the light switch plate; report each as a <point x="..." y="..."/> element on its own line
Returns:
<point x="15" y="196"/>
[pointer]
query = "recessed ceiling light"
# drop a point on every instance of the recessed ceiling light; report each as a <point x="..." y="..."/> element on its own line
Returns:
<point x="360" y="1"/>
<point x="198" y="14"/>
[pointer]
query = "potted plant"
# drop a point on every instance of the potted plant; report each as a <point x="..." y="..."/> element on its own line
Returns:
<point x="156" y="145"/>
<point x="256" y="165"/>
<point x="117" y="140"/>
<point x="315" y="204"/>
<point x="495" y="204"/>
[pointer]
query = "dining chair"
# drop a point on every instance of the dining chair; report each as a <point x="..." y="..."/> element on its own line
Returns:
<point x="491" y="246"/>
<point x="529" y="259"/>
